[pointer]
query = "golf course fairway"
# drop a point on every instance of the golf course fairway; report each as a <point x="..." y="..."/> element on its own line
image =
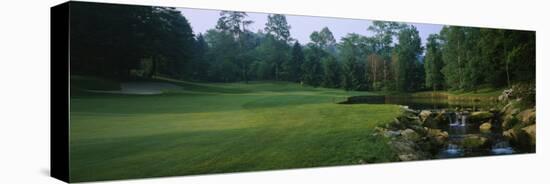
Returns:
<point x="207" y="128"/>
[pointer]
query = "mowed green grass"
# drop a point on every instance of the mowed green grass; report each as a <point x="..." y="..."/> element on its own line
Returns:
<point x="217" y="128"/>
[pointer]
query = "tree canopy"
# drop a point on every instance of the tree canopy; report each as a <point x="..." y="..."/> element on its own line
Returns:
<point x="148" y="41"/>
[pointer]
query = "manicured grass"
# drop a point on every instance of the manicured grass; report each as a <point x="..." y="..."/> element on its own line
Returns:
<point x="215" y="128"/>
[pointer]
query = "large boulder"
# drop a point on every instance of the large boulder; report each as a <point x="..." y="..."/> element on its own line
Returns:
<point x="410" y="134"/>
<point x="475" y="142"/>
<point x="421" y="130"/>
<point x="439" y="120"/>
<point x="510" y="134"/>
<point x="485" y="127"/>
<point x="425" y="114"/>
<point x="409" y="157"/>
<point x="525" y="138"/>
<point x="531" y="133"/>
<point x="527" y="117"/>
<point x="396" y="124"/>
<point x="403" y="146"/>
<point x="512" y="108"/>
<point x="480" y="116"/>
<point x="391" y="133"/>
<point x="433" y="119"/>
<point x="438" y="135"/>
<point x="407" y="150"/>
<point x="509" y="121"/>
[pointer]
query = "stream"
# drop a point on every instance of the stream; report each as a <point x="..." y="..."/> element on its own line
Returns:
<point x="458" y="128"/>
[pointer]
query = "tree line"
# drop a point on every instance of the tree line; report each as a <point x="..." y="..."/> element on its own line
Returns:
<point x="121" y="42"/>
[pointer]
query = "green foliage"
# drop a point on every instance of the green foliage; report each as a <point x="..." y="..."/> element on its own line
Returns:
<point x="331" y="72"/>
<point x="433" y="63"/>
<point x="408" y="70"/>
<point x="313" y="72"/>
<point x="384" y="33"/>
<point x="324" y="40"/>
<point x="124" y="35"/>
<point x="147" y="41"/>
<point x="277" y="25"/>
<point x="292" y="68"/>
<point x="468" y="53"/>
<point x="353" y="70"/>
<point x="274" y="53"/>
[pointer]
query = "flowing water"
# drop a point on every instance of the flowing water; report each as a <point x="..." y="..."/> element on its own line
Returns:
<point x="458" y="127"/>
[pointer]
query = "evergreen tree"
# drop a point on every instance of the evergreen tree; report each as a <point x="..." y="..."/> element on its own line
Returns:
<point x="292" y="67"/>
<point x="408" y="50"/>
<point x="331" y="72"/>
<point x="433" y="63"/>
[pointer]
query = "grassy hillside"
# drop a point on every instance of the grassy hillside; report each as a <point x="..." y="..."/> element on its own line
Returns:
<point x="215" y="128"/>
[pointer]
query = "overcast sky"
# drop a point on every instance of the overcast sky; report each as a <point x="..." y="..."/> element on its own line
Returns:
<point x="301" y="26"/>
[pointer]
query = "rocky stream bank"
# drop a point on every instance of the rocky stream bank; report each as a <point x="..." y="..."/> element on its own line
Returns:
<point x="462" y="132"/>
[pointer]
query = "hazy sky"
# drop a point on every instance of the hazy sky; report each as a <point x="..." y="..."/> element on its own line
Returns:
<point x="301" y="26"/>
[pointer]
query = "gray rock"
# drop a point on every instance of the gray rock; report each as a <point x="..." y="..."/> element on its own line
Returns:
<point x="410" y="134"/>
<point x="409" y="157"/>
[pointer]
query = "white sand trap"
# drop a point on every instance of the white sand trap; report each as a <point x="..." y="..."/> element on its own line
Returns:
<point x="140" y="88"/>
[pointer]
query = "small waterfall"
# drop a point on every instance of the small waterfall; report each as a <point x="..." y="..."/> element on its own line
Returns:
<point x="502" y="148"/>
<point x="452" y="150"/>
<point x="457" y="119"/>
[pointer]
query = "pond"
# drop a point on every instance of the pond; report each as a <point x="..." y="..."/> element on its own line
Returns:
<point x="423" y="103"/>
<point x="458" y="127"/>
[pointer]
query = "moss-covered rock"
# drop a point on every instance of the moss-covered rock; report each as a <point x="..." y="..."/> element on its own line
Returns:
<point x="510" y="134"/>
<point x="531" y="133"/>
<point x="440" y="137"/>
<point x="475" y="142"/>
<point x="524" y="138"/>
<point x="408" y="150"/>
<point x="509" y="121"/>
<point x="480" y="116"/>
<point x="485" y="127"/>
<point x="527" y="117"/>
<point x="410" y="134"/>
<point x="434" y="119"/>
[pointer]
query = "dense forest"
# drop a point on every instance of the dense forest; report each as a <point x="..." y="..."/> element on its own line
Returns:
<point x="125" y="42"/>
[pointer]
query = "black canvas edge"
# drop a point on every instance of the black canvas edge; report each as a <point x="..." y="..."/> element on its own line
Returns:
<point x="59" y="91"/>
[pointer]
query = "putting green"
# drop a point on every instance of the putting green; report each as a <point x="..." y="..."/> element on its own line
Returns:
<point x="215" y="128"/>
